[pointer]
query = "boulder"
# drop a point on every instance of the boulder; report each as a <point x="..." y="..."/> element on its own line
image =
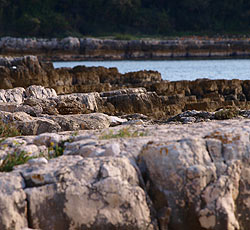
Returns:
<point x="138" y="100"/>
<point x="13" y="204"/>
<point x="198" y="181"/>
<point x="39" y="92"/>
<point x="90" y="193"/>
<point x="81" y="121"/>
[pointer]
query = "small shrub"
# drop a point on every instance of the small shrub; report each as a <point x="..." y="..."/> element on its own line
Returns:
<point x="127" y="37"/>
<point x="122" y="133"/>
<point x="14" y="159"/>
<point x="226" y="114"/>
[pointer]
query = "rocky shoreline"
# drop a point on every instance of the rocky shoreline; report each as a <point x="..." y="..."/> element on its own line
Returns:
<point x="138" y="153"/>
<point x="73" y="49"/>
<point x="114" y="93"/>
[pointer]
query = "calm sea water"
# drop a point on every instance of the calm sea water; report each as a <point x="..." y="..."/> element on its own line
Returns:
<point x="174" y="70"/>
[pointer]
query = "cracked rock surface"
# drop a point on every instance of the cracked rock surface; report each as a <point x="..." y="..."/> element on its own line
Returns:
<point x="177" y="176"/>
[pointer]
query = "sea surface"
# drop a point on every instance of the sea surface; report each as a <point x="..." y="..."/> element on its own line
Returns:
<point x="174" y="70"/>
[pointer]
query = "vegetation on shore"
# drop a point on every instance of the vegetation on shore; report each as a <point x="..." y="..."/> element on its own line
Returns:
<point x="119" y="18"/>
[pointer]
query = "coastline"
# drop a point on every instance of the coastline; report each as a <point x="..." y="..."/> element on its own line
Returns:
<point x="129" y="158"/>
<point x="77" y="49"/>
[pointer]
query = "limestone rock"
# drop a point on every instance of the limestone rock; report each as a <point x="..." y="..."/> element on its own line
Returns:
<point x="199" y="180"/>
<point x="39" y="92"/>
<point x="131" y="101"/>
<point x="90" y="193"/>
<point x="70" y="106"/>
<point x="81" y="121"/>
<point x="47" y="138"/>
<point x="37" y="126"/>
<point x="13" y="204"/>
<point x="90" y="100"/>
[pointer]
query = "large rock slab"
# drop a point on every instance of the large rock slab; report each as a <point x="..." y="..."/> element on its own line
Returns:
<point x="200" y="182"/>
<point x="91" y="193"/>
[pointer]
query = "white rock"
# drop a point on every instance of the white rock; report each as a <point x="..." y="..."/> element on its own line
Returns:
<point x="48" y="139"/>
<point x="40" y="92"/>
<point x="38" y="161"/>
<point x="112" y="149"/>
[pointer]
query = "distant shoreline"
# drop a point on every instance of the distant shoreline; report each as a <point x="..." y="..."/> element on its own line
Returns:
<point x="83" y="49"/>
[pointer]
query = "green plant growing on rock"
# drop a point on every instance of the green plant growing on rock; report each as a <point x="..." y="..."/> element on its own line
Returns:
<point x="56" y="150"/>
<point x="8" y="130"/>
<point x="226" y="114"/>
<point x="14" y="159"/>
<point x="122" y="133"/>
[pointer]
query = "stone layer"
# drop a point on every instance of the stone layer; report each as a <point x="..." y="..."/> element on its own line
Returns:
<point x="153" y="96"/>
<point x="71" y="48"/>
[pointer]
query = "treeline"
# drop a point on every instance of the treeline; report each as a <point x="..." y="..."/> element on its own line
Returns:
<point x="50" y="18"/>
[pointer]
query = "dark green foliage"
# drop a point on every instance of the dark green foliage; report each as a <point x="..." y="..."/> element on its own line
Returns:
<point x="56" y="150"/>
<point x="12" y="160"/>
<point x="49" y="18"/>
<point x="226" y="114"/>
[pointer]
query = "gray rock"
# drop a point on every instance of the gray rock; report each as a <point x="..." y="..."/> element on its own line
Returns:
<point x="38" y="161"/>
<point x="112" y="149"/>
<point x="13" y="205"/>
<point x="40" y="92"/>
<point x="33" y="150"/>
<point x="15" y="95"/>
<point x="90" y="193"/>
<point x="114" y="121"/>
<point x="83" y="147"/>
<point x="47" y="139"/>
<point x="37" y="126"/>
<point x="199" y="180"/>
<point x="81" y="121"/>
<point x="90" y="100"/>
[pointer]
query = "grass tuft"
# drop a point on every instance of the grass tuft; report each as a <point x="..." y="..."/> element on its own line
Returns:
<point x="14" y="159"/>
<point x="122" y="133"/>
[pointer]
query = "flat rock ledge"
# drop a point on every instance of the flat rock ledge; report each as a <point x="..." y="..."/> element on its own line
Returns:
<point x="114" y="93"/>
<point x="72" y="48"/>
<point x="176" y="176"/>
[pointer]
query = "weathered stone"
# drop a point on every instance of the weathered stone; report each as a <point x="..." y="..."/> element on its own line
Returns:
<point x="199" y="179"/>
<point x="15" y="95"/>
<point x="47" y="139"/>
<point x="38" y="161"/>
<point x="111" y="150"/>
<point x="81" y="121"/>
<point x="70" y="106"/>
<point x="107" y="188"/>
<point x="13" y="204"/>
<point x="39" y="92"/>
<point x="40" y="106"/>
<point x="37" y="126"/>
<point x="90" y="100"/>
